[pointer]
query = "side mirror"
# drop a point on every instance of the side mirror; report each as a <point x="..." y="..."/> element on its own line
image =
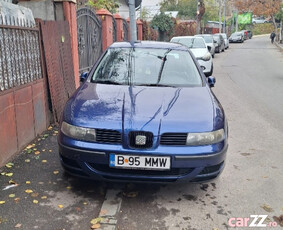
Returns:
<point x="83" y="76"/>
<point x="211" y="81"/>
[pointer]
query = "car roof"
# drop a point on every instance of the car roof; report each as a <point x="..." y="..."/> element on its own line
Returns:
<point x="149" y="44"/>
<point x="200" y="35"/>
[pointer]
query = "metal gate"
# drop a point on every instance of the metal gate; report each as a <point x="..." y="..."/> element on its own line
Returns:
<point x="126" y="30"/>
<point x="114" y="29"/>
<point x="59" y="63"/>
<point x="89" y="38"/>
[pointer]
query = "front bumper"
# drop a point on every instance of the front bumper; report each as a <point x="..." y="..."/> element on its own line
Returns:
<point x="206" y="64"/>
<point x="94" y="164"/>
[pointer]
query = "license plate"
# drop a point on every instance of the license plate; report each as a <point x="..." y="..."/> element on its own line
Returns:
<point x="139" y="162"/>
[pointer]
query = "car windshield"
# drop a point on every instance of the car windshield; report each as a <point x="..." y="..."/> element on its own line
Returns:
<point x="208" y="39"/>
<point x="192" y="43"/>
<point x="151" y="67"/>
<point x="216" y="37"/>
<point x="236" y="35"/>
<point x="224" y="36"/>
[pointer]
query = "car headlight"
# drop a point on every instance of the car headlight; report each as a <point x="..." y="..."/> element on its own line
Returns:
<point x="207" y="138"/>
<point x="206" y="57"/>
<point x="79" y="133"/>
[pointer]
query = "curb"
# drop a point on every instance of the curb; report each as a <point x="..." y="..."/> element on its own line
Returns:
<point x="280" y="46"/>
<point x="110" y="209"/>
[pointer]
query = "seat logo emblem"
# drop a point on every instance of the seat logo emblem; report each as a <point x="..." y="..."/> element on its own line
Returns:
<point x="140" y="140"/>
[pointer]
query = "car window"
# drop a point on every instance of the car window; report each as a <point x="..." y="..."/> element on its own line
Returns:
<point x="208" y="39"/>
<point x="192" y="43"/>
<point x="142" y="66"/>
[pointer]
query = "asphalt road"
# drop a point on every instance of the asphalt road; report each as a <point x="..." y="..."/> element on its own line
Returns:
<point x="250" y="87"/>
<point x="38" y="195"/>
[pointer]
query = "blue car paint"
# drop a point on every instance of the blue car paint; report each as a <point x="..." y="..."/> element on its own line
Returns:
<point x="156" y="109"/>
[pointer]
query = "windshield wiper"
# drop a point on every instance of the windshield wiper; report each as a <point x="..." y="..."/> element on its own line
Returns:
<point x="108" y="82"/>
<point x="155" y="84"/>
<point x="164" y="59"/>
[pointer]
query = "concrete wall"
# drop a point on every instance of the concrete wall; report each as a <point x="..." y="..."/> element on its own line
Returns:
<point x="43" y="9"/>
<point x="23" y="116"/>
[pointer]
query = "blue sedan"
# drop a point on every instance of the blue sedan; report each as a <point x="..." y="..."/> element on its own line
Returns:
<point x="145" y="112"/>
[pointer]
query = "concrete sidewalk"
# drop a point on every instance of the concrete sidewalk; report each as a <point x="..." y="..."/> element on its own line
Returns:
<point x="37" y="194"/>
<point x="279" y="45"/>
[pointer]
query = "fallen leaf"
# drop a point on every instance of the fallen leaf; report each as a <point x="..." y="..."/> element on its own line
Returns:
<point x="102" y="212"/>
<point x="50" y="128"/>
<point x="278" y="220"/>
<point x="17" y="199"/>
<point x="68" y="187"/>
<point x="85" y="203"/>
<point x="56" y="172"/>
<point x="44" y="161"/>
<point x="130" y="194"/>
<point x="18" y="226"/>
<point x="39" y="139"/>
<point x="41" y="183"/>
<point x="43" y="150"/>
<point x="9" y="165"/>
<point x="37" y="157"/>
<point x="3" y="173"/>
<point x="29" y="151"/>
<point x="37" y="152"/>
<point x="56" y="132"/>
<point x="34" y="194"/>
<point x="50" y="150"/>
<point x="9" y="174"/>
<point x="2" y="202"/>
<point x="60" y="206"/>
<point x="95" y="226"/>
<point x="34" y="149"/>
<point x="12" y="195"/>
<point x="267" y="208"/>
<point x="44" y="197"/>
<point x="29" y="146"/>
<point x="29" y="191"/>
<point x="12" y="182"/>
<point x="96" y="220"/>
<point x="45" y="135"/>
<point x="27" y="160"/>
<point x="35" y="201"/>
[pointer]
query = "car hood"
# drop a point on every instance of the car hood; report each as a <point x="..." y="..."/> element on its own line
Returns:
<point x="155" y="109"/>
<point x="199" y="52"/>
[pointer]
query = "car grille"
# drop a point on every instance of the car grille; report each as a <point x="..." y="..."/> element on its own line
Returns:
<point x="108" y="136"/>
<point x="148" y="143"/>
<point x="173" y="139"/>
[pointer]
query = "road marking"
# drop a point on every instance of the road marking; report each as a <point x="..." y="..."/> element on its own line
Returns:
<point x="110" y="209"/>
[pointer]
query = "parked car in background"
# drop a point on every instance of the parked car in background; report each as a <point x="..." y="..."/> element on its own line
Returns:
<point x="245" y="34"/>
<point x="236" y="37"/>
<point x="199" y="49"/>
<point x="226" y="41"/>
<point x="250" y="34"/>
<point x="220" y="43"/>
<point x="208" y="38"/>
<point x="259" y="20"/>
<point x="144" y="113"/>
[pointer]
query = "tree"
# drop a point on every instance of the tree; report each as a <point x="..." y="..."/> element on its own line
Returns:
<point x="186" y="8"/>
<point x="110" y="5"/>
<point x="268" y="8"/>
<point x="163" y="23"/>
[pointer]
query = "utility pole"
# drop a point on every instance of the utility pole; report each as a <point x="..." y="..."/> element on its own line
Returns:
<point x="237" y="26"/>
<point x="224" y="16"/>
<point x="198" y="21"/>
<point x="220" y="5"/>
<point x="133" y="24"/>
